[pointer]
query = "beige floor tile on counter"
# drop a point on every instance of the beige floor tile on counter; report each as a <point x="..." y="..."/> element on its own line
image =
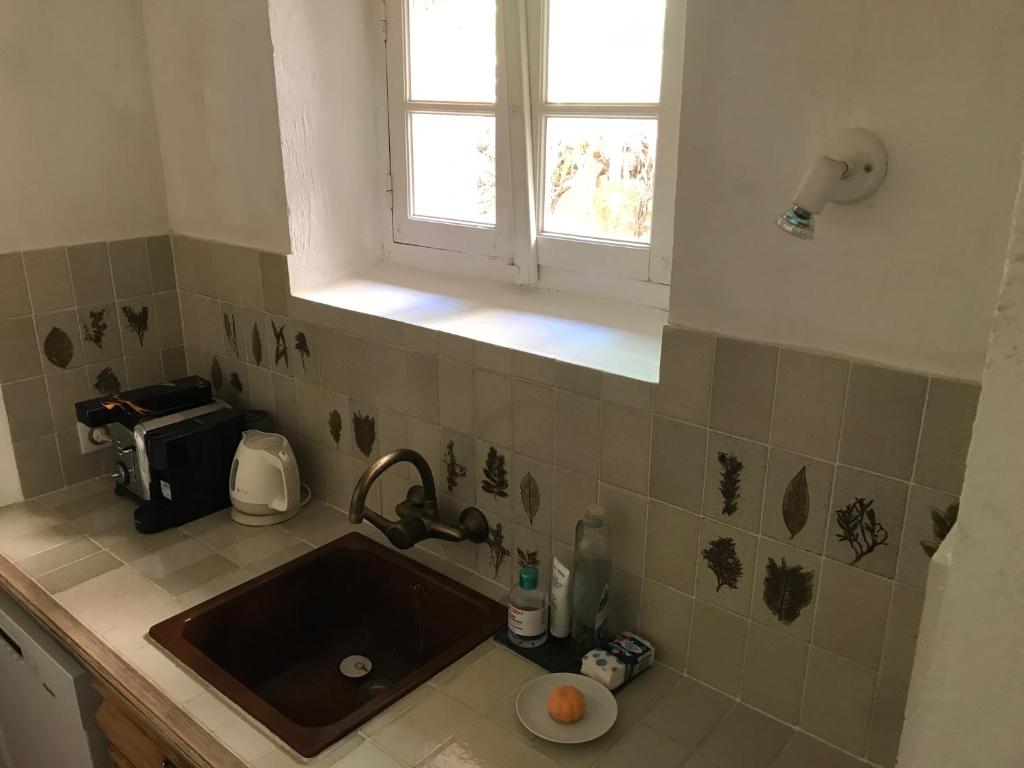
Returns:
<point x="25" y="517"/>
<point x="84" y="570"/>
<point x="453" y="670"/>
<point x="110" y="584"/>
<point x="130" y="634"/>
<point x="646" y="747"/>
<point x="366" y="755"/>
<point x="689" y="712"/>
<point x="699" y="761"/>
<point x="57" y="557"/>
<point x="105" y="612"/>
<point x="582" y="755"/>
<point x="745" y="739"/>
<point x="246" y="740"/>
<point x="504" y="715"/>
<point x="264" y="544"/>
<point x="128" y="544"/>
<point x="804" y="751"/>
<point x="485" y="744"/>
<point x="29" y="539"/>
<point x="178" y="684"/>
<point x="390" y="714"/>
<point x="644" y="693"/>
<point x="196" y="574"/>
<point x="422" y="729"/>
<point x="164" y="562"/>
<point x="213" y="588"/>
<point x="490" y="679"/>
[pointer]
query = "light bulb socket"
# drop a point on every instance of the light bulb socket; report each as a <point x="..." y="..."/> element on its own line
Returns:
<point x="797" y="221"/>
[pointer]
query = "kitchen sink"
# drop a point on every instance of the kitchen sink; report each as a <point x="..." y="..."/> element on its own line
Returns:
<point x="275" y="645"/>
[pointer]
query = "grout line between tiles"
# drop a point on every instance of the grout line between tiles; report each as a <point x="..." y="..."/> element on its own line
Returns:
<point x="703" y="492"/>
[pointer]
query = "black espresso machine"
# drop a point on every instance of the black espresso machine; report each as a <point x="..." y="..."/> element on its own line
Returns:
<point x="174" y="444"/>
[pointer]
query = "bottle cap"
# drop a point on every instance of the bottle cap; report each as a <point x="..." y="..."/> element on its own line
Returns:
<point x="529" y="577"/>
<point x="594" y="516"/>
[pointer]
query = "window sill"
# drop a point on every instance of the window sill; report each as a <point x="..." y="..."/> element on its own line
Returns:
<point x="610" y="336"/>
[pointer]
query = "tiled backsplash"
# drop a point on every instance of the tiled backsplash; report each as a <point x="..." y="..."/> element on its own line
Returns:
<point x="773" y="511"/>
<point x="76" y="322"/>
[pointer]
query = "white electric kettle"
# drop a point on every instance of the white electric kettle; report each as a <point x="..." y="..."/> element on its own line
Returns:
<point x="264" y="482"/>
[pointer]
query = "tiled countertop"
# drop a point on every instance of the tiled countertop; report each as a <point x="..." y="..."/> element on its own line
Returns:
<point x="79" y="545"/>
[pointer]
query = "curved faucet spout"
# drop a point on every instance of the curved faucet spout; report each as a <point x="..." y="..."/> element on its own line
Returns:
<point x="417" y="515"/>
<point x="357" y="508"/>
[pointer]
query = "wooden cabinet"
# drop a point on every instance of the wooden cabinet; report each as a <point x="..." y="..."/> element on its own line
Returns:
<point x="132" y="745"/>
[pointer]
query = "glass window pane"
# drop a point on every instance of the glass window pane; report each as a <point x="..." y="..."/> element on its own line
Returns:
<point x="605" y="51"/>
<point x="452" y="50"/>
<point x="599" y="177"/>
<point x="453" y="167"/>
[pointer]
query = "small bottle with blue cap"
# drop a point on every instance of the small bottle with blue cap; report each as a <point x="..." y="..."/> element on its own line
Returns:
<point x="528" y="610"/>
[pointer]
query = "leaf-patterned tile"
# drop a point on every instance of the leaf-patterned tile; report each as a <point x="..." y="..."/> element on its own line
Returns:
<point x="495" y="558"/>
<point x="306" y="363"/>
<point x="929" y="517"/>
<point x="797" y="500"/>
<point x="281" y="343"/>
<point x="725" y="566"/>
<point x="363" y="428"/>
<point x="106" y="378"/>
<point x="866" y="521"/>
<point x="458" y="459"/>
<point x="532" y="493"/>
<point x="101" y="335"/>
<point x="336" y="431"/>
<point x="494" y="478"/>
<point x="734" y="481"/>
<point x="785" y="584"/>
<point x="255" y="338"/>
<point x="234" y="334"/>
<point x="531" y="547"/>
<point x="59" y="342"/>
<point x="137" y="321"/>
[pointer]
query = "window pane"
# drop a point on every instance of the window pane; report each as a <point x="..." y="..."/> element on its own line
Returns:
<point x="452" y="50"/>
<point x="605" y="51"/>
<point x="453" y="167"/>
<point x="599" y="177"/>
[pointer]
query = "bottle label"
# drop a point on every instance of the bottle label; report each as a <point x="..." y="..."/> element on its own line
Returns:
<point x="527" y="623"/>
<point x="602" y="613"/>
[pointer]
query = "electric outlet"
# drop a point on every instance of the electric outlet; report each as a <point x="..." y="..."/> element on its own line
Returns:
<point x="92" y="440"/>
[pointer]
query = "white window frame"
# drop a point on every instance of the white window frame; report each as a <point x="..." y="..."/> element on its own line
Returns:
<point x="514" y="250"/>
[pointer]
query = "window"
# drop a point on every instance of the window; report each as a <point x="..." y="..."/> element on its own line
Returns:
<point x="535" y="140"/>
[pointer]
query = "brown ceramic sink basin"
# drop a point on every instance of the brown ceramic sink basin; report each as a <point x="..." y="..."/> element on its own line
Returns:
<point x="274" y="644"/>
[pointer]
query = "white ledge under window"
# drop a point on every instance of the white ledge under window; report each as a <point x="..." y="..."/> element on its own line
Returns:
<point x="611" y="336"/>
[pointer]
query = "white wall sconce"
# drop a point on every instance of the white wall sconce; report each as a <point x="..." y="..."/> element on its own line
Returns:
<point x="852" y="168"/>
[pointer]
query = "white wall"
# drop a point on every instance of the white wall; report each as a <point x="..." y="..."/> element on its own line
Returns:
<point x="907" y="278"/>
<point x="965" y="699"/>
<point x="213" y="84"/>
<point x="329" y="65"/>
<point x="79" y="158"/>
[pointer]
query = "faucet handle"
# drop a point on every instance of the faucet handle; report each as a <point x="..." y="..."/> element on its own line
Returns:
<point x="473" y="523"/>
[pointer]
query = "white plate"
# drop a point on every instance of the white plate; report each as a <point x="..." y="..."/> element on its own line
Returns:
<point x="532" y="708"/>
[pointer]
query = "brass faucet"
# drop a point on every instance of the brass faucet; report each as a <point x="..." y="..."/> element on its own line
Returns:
<point x="418" y="518"/>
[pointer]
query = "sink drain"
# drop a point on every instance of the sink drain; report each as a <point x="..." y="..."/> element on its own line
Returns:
<point x="355" y="667"/>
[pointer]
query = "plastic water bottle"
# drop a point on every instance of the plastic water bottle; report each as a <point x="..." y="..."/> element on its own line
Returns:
<point x="591" y="580"/>
<point x="528" y="611"/>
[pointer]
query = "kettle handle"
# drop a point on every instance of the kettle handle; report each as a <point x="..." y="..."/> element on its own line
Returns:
<point x="286" y="466"/>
